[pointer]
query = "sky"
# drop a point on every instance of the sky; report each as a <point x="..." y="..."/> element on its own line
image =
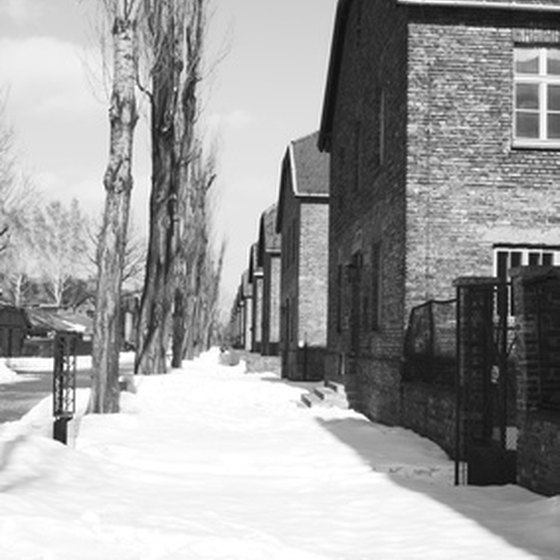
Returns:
<point x="212" y="463"/>
<point x="265" y="90"/>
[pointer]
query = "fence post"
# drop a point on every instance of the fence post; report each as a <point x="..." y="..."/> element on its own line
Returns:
<point x="64" y="384"/>
<point x="475" y="306"/>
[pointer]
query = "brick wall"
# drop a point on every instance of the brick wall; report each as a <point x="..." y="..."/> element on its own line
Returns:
<point x="257" y="312"/>
<point x="313" y="272"/>
<point x="468" y="187"/>
<point x="430" y="411"/>
<point x="537" y="303"/>
<point x="304" y="277"/>
<point x="248" y="322"/>
<point x="433" y="178"/>
<point x="289" y="279"/>
<point x="270" y="304"/>
<point x="367" y="205"/>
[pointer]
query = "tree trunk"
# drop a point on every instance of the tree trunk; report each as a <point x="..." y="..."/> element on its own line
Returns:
<point x="155" y="308"/>
<point x="153" y="325"/>
<point x="118" y="186"/>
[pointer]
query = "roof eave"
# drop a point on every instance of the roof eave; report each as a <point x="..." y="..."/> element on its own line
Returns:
<point x="484" y="4"/>
<point x="339" y="33"/>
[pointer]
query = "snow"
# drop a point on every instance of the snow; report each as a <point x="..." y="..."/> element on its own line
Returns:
<point x="7" y="375"/>
<point x="210" y="462"/>
<point x="36" y="364"/>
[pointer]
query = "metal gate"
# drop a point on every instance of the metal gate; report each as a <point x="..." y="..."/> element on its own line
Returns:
<point x="64" y="383"/>
<point x="486" y="426"/>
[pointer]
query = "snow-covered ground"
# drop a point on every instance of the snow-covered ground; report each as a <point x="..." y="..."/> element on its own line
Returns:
<point x="212" y="463"/>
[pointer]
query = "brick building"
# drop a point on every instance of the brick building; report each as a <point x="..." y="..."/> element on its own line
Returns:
<point x="13" y="329"/>
<point x="302" y="222"/>
<point x="241" y="319"/>
<point x="247" y="296"/>
<point x="268" y="259"/>
<point x="442" y="119"/>
<point x="256" y="279"/>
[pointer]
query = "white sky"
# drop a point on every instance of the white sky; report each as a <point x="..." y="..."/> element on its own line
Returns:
<point x="267" y="91"/>
<point x="211" y="463"/>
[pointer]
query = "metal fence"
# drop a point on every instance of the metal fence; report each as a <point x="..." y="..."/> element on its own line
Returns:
<point x="430" y="343"/>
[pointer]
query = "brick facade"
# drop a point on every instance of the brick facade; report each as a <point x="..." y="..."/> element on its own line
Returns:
<point x="256" y="278"/>
<point x="367" y="211"/>
<point x="302" y="222"/>
<point x="425" y="181"/>
<point x="537" y="302"/>
<point x="270" y="262"/>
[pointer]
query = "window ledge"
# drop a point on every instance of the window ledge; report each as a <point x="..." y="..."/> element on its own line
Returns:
<point x="536" y="145"/>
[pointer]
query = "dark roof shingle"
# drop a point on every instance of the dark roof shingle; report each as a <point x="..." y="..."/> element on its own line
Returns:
<point x="310" y="166"/>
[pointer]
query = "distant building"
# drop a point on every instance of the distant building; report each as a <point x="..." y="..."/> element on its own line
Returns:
<point x="241" y="315"/>
<point x="269" y="260"/>
<point x="256" y="280"/>
<point x="13" y="330"/>
<point x="247" y="295"/>
<point x="302" y="220"/>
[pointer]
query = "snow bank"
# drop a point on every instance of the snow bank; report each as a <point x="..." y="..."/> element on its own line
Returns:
<point x="31" y="364"/>
<point x="7" y="375"/>
<point x="210" y="463"/>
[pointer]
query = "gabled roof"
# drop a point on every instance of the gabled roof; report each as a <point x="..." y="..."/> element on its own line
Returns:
<point x="42" y="319"/>
<point x="306" y="170"/>
<point x="340" y="30"/>
<point x="310" y="167"/>
<point x="333" y="72"/>
<point x="269" y="239"/>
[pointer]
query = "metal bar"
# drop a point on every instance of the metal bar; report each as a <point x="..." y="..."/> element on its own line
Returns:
<point x="504" y="370"/>
<point x="483" y="5"/>
<point x="458" y="387"/>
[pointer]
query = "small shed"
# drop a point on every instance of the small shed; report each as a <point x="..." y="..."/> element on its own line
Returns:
<point x="45" y="323"/>
<point x="13" y="329"/>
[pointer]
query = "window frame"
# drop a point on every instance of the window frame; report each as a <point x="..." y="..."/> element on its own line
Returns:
<point x="523" y="252"/>
<point x="542" y="80"/>
<point x="375" y="290"/>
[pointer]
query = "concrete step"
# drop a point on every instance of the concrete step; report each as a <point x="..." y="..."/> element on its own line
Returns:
<point x="337" y="387"/>
<point x="310" y="399"/>
<point x="326" y="396"/>
<point x="324" y="392"/>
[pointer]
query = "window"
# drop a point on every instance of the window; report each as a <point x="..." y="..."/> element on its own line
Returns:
<point x="510" y="256"/>
<point x="375" y="286"/>
<point x="381" y="125"/>
<point x="359" y="18"/>
<point x="295" y="242"/>
<point x="339" y="288"/>
<point x="537" y="96"/>
<point x="357" y="140"/>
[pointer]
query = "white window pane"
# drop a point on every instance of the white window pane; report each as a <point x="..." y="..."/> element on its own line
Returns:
<point x="526" y="61"/>
<point x="527" y="125"/>
<point x="527" y="96"/>
<point x="553" y="62"/>
<point x="553" y="98"/>
<point x="553" y="125"/>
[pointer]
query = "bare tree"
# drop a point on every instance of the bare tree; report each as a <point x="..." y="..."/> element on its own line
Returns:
<point x="18" y="201"/>
<point x="7" y="173"/>
<point x="174" y="38"/>
<point x="135" y="253"/>
<point x="58" y="238"/>
<point x="196" y="292"/>
<point x="118" y="185"/>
